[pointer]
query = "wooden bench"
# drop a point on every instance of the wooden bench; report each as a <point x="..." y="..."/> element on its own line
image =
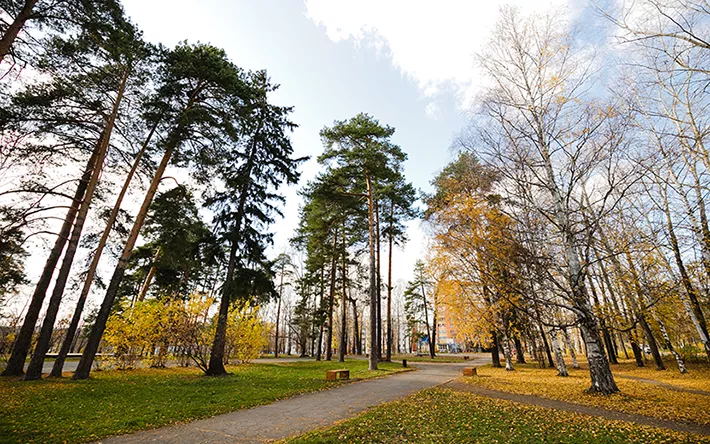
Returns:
<point x="334" y="375"/>
<point x="469" y="371"/>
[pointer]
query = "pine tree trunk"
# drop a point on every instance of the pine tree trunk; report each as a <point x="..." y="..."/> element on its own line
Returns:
<point x="149" y="277"/>
<point x="143" y="292"/>
<point x="331" y="299"/>
<point x="16" y="363"/>
<point x="219" y="342"/>
<point x="288" y="335"/>
<point x="216" y="364"/>
<point x="303" y="344"/>
<point x="388" y="357"/>
<point x="343" y="306"/>
<point x="15" y="27"/>
<point x="34" y="370"/>
<point x="434" y="326"/>
<point x="92" y="345"/>
<point x="426" y="317"/>
<point x="357" y="335"/>
<point x="58" y="366"/>
<point x="374" y="302"/>
<point x="87" y="358"/>
<point x="379" y="282"/>
<point x="278" y="312"/>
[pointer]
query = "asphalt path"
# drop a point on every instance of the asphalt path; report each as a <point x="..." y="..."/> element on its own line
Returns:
<point x="302" y="413"/>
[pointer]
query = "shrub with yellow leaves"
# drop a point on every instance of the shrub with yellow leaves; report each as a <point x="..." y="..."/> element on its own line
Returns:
<point x="246" y="333"/>
<point x="154" y="331"/>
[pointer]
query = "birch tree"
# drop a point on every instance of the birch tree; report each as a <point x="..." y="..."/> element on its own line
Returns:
<point x="538" y="128"/>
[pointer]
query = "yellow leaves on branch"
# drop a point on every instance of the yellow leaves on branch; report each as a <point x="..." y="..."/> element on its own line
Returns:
<point x="246" y="333"/>
<point x="156" y="330"/>
<point x="148" y="329"/>
<point x="474" y="242"/>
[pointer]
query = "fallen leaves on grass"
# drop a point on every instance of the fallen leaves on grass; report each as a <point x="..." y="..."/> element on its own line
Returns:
<point x="697" y="378"/>
<point x="444" y="416"/>
<point x="635" y="397"/>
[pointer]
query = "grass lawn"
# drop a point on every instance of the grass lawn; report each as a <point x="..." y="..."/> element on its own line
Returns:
<point x="117" y="402"/>
<point x="445" y="416"/>
<point x="635" y="397"/>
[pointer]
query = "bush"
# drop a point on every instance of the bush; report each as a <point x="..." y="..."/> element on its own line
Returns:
<point x="246" y="333"/>
<point x="155" y="331"/>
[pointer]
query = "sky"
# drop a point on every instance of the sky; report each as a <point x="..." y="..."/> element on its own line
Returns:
<point x="408" y="63"/>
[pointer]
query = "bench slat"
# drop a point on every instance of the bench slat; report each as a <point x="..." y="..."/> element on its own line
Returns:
<point x="332" y="375"/>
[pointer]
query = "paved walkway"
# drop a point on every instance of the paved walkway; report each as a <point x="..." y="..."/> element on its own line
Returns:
<point x="301" y="413"/>
<point x="578" y="408"/>
<point x="665" y="385"/>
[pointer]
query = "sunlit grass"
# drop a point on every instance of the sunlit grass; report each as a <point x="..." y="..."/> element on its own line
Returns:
<point x="116" y="402"/>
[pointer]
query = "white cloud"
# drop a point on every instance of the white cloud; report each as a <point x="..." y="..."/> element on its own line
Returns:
<point x="433" y="43"/>
<point x="432" y="111"/>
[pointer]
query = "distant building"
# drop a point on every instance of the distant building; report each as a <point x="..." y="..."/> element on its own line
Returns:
<point x="446" y="332"/>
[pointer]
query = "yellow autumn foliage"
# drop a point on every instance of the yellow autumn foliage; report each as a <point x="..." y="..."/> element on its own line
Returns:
<point x="636" y="397"/>
<point x="473" y="243"/>
<point x="247" y="334"/>
<point x="154" y="331"/>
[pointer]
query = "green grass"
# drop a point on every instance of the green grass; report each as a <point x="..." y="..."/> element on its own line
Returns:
<point x="117" y="402"/>
<point x="445" y="416"/>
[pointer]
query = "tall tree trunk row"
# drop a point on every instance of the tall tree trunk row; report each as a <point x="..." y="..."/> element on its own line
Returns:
<point x="20" y="348"/>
